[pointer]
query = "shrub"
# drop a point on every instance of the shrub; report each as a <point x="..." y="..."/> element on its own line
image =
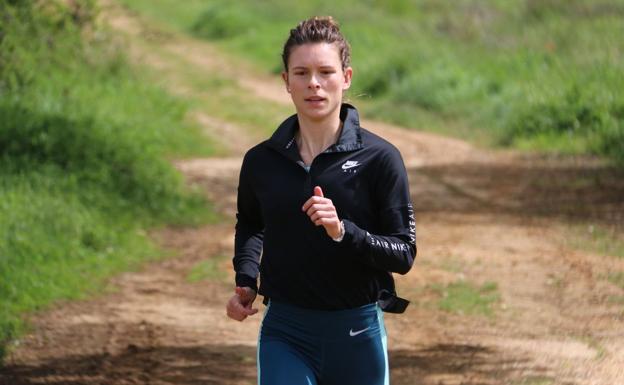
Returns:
<point x="578" y="114"/>
<point x="83" y="140"/>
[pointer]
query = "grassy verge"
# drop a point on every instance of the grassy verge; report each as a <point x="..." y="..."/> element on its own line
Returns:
<point x="465" y="298"/>
<point x="599" y="239"/>
<point x="84" y="140"/>
<point x="617" y="278"/>
<point x="539" y="75"/>
<point x="209" y="269"/>
<point x="534" y="380"/>
<point x="219" y="95"/>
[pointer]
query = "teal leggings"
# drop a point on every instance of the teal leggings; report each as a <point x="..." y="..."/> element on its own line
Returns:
<point x="299" y="346"/>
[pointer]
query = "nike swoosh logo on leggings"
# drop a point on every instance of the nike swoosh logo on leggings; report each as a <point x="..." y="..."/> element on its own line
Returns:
<point x="353" y="334"/>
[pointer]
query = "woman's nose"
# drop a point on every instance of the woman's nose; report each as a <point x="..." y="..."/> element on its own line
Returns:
<point x="314" y="83"/>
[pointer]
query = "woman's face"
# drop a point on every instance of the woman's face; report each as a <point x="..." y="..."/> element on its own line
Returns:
<point x="315" y="80"/>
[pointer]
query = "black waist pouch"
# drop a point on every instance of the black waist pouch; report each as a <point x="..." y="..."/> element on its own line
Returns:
<point x="391" y="303"/>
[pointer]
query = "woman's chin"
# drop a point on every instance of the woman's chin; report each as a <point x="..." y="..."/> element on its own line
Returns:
<point x="316" y="112"/>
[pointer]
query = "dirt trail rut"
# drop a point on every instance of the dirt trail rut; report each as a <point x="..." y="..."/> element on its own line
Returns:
<point x="483" y="217"/>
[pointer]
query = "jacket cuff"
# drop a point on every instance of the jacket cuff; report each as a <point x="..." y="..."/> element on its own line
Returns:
<point x="354" y="237"/>
<point x="243" y="280"/>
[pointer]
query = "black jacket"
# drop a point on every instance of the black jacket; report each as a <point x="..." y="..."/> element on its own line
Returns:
<point x="366" y="180"/>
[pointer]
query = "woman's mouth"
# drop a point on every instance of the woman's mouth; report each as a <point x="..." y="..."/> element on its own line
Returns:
<point x="315" y="100"/>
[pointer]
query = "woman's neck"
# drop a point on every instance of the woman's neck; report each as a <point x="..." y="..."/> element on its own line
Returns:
<point x="315" y="137"/>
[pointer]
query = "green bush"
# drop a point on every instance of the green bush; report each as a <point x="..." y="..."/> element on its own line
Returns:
<point x="610" y="140"/>
<point x="56" y="246"/>
<point x="577" y="116"/>
<point x="96" y="152"/>
<point x="83" y="146"/>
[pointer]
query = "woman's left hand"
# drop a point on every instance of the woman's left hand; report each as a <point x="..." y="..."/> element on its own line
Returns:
<point x="322" y="212"/>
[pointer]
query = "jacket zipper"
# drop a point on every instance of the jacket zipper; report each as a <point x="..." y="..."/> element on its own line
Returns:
<point x="308" y="190"/>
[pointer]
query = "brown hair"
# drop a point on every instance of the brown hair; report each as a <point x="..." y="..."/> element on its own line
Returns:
<point x="317" y="30"/>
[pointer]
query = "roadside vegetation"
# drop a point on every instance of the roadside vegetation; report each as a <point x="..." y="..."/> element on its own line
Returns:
<point x="208" y="270"/>
<point x="601" y="239"/>
<point x="219" y="95"/>
<point x="617" y="278"/>
<point x="539" y="75"/>
<point x="84" y="148"/>
<point x="466" y="298"/>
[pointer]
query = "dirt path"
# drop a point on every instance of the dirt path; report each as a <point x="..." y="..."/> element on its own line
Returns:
<point x="483" y="217"/>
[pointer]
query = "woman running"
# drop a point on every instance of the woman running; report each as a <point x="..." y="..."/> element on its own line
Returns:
<point x="327" y="205"/>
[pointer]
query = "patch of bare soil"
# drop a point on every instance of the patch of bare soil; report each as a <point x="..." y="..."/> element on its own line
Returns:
<point x="483" y="216"/>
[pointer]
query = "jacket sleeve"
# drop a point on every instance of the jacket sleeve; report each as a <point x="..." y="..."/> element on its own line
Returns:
<point x="249" y="232"/>
<point x="394" y="248"/>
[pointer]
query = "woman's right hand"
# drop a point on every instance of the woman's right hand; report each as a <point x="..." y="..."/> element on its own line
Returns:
<point x="239" y="306"/>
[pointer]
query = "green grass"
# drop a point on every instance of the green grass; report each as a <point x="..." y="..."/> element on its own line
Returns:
<point x="598" y="239"/>
<point x="56" y="246"/>
<point x="534" y="380"/>
<point x="542" y="75"/>
<point x="219" y="95"/>
<point x="617" y="278"/>
<point x="453" y="264"/>
<point x="466" y="298"/>
<point x="594" y="343"/>
<point x="616" y="299"/>
<point x="84" y="143"/>
<point x="169" y="12"/>
<point x="216" y="93"/>
<point x="207" y="270"/>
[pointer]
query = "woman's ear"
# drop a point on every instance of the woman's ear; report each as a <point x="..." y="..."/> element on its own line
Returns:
<point x="348" y="74"/>
<point x="285" y="78"/>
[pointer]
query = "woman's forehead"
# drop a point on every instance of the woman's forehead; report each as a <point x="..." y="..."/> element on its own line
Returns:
<point x="316" y="54"/>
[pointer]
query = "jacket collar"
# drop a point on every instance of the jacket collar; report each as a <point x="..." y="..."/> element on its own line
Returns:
<point x="350" y="139"/>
